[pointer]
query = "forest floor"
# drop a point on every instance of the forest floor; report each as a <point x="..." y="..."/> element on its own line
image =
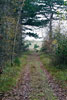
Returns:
<point x="35" y="83"/>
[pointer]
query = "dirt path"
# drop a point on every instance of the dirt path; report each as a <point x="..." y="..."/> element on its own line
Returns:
<point x="33" y="84"/>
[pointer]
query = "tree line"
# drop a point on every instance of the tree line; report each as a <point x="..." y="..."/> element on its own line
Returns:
<point x="11" y="42"/>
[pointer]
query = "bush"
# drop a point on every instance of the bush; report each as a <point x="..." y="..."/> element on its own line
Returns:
<point x="17" y="61"/>
<point x="47" y="46"/>
<point x="61" y="50"/>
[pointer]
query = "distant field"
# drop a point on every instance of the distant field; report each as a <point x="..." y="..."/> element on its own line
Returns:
<point x="39" y="43"/>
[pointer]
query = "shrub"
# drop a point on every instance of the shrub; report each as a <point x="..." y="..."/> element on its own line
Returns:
<point x="47" y="46"/>
<point x="17" y="61"/>
<point x="61" y="50"/>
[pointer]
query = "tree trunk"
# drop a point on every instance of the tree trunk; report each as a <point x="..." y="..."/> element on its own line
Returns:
<point x="50" y="27"/>
<point x="11" y="60"/>
<point x="17" y="28"/>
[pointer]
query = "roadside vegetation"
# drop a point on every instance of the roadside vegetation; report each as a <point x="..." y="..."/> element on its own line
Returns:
<point x="59" y="74"/>
<point x="11" y="74"/>
<point x="54" y="57"/>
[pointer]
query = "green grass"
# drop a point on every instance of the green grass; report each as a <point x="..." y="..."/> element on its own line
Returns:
<point x="39" y="83"/>
<point x="11" y="74"/>
<point x="60" y="75"/>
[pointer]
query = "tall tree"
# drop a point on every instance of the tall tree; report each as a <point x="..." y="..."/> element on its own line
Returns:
<point x="49" y="10"/>
<point x="10" y="32"/>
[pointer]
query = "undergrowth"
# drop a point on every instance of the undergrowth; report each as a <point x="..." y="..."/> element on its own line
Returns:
<point x="60" y="75"/>
<point x="11" y="74"/>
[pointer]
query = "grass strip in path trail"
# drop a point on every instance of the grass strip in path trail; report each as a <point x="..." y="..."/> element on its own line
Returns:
<point x="39" y="88"/>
